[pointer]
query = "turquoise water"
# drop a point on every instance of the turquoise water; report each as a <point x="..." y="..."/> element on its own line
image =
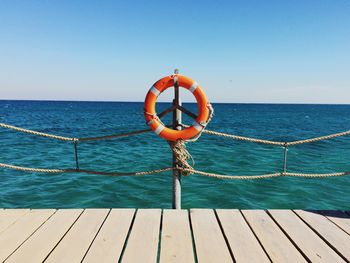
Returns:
<point x="147" y="151"/>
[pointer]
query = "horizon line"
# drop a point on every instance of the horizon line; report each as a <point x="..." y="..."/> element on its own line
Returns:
<point x="121" y="101"/>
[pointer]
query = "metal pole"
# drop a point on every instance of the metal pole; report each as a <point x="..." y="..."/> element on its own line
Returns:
<point x="285" y="159"/>
<point x="176" y="125"/>
<point x="76" y="155"/>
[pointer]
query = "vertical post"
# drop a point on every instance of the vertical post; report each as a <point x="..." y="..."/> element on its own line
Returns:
<point x="285" y="147"/>
<point x="76" y="154"/>
<point x="176" y="125"/>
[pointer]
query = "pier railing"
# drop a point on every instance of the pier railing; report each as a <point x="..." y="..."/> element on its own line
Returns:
<point x="180" y="156"/>
<point x="191" y="170"/>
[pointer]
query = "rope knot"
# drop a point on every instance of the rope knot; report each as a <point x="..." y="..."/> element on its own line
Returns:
<point x="181" y="155"/>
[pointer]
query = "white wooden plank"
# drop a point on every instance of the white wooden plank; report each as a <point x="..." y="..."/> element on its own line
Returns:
<point x="244" y="245"/>
<point x="110" y="240"/>
<point x="277" y="245"/>
<point x="76" y="242"/>
<point x="338" y="239"/>
<point x="176" y="240"/>
<point x="17" y="233"/>
<point x="339" y="218"/>
<point x="209" y="240"/>
<point x="10" y="216"/>
<point x="40" y="244"/>
<point x="142" y="244"/>
<point x="308" y="241"/>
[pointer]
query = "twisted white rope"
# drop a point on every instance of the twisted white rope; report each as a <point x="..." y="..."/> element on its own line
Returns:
<point x="221" y="134"/>
<point x="263" y="176"/>
<point x="43" y="170"/>
<point x="214" y="175"/>
<point x="250" y="139"/>
<point x="62" y="138"/>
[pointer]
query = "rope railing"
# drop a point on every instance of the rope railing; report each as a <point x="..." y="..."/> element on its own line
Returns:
<point x="264" y="176"/>
<point x="277" y="143"/>
<point x="321" y="138"/>
<point x="62" y="138"/>
<point x="161" y="170"/>
<point x="242" y="138"/>
<point x="180" y="152"/>
<point x="114" y="135"/>
<point x="210" y="132"/>
<point x="55" y="171"/>
<point x="57" y="137"/>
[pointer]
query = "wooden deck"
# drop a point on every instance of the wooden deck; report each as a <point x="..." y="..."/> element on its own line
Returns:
<point x="151" y="235"/>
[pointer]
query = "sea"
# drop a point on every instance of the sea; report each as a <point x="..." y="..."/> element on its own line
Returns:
<point x="279" y="122"/>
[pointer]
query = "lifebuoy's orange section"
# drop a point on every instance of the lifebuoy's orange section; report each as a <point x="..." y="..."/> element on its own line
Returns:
<point x="158" y="127"/>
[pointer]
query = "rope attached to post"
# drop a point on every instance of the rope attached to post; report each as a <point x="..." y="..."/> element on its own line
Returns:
<point x="161" y="170"/>
<point x="57" y="171"/>
<point x="62" y="138"/>
<point x="57" y="137"/>
<point x="210" y="132"/>
<point x="182" y="155"/>
<point x="265" y="176"/>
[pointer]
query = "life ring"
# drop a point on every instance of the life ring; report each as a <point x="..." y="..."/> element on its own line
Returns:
<point x="204" y="108"/>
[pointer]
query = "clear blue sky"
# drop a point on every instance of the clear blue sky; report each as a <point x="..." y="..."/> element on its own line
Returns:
<point x="239" y="51"/>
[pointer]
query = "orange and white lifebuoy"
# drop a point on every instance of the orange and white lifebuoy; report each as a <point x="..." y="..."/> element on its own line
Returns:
<point x="204" y="108"/>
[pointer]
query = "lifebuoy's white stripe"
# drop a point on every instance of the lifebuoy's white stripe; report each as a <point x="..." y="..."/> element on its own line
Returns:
<point x="193" y="86"/>
<point x="159" y="129"/>
<point x="197" y="126"/>
<point x="155" y="91"/>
